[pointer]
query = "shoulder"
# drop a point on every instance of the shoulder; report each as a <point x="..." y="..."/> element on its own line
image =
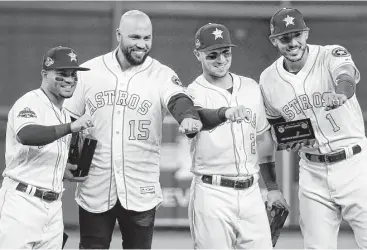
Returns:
<point x="94" y="63"/>
<point x="195" y="88"/>
<point x="30" y="97"/>
<point x="269" y="72"/>
<point x="334" y="50"/>
<point x="248" y="85"/>
<point x="29" y="100"/>
<point x="161" y="68"/>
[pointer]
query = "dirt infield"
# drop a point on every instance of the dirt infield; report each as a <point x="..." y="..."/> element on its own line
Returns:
<point x="180" y="239"/>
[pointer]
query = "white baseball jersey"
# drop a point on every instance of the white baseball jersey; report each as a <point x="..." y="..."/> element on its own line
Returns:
<point x="300" y="96"/>
<point x="127" y="108"/>
<point x="229" y="149"/>
<point x="40" y="166"/>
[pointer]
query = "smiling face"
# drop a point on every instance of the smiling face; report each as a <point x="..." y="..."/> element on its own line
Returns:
<point x="215" y="63"/>
<point x="60" y="83"/>
<point x="135" y="37"/>
<point x="291" y="45"/>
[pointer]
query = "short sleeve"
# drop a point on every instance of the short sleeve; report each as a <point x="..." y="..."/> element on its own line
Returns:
<point x="169" y="86"/>
<point x="25" y="112"/>
<point x="196" y="95"/>
<point x="338" y="56"/>
<point x="270" y="112"/>
<point x="76" y="105"/>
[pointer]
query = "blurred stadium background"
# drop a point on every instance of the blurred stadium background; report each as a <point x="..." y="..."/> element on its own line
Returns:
<point x="28" y="29"/>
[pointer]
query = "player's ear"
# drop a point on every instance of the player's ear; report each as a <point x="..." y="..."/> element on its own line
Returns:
<point x="118" y="35"/>
<point x="197" y="55"/>
<point x="43" y="74"/>
<point x="306" y="34"/>
<point x="272" y="40"/>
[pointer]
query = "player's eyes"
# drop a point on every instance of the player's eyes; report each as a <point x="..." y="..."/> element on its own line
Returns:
<point x="211" y="57"/>
<point x="227" y="54"/>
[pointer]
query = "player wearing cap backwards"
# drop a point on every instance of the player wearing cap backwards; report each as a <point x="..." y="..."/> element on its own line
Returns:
<point x="319" y="82"/>
<point x="226" y="209"/>
<point x="37" y="142"/>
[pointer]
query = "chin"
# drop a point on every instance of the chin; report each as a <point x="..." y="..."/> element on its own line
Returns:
<point x="66" y="95"/>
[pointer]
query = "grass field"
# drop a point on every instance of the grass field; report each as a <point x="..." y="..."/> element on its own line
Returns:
<point x="180" y="239"/>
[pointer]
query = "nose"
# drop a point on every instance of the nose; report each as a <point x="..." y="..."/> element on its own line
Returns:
<point x="221" y="58"/>
<point x="293" y="42"/>
<point x="69" y="79"/>
<point x="141" y="44"/>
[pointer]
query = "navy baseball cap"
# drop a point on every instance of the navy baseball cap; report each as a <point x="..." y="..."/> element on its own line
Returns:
<point x="212" y="36"/>
<point x="61" y="58"/>
<point x="285" y="21"/>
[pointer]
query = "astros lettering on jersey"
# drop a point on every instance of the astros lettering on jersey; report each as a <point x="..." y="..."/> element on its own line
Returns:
<point x="302" y="97"/>
<point x="40" y="166"/>
<point x="230" y="149"/>
<point x="128" y="108"/>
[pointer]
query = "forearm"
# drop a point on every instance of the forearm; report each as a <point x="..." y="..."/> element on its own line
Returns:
<point x="268" y="173"/>
<point x="266" y="156"/>
<point x="38" y="135"/>
<point x="181" y="107"/>
<point x="211" y="118"/>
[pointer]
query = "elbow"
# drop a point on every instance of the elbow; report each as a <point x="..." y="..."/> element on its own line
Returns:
<point x="24" y="141"/>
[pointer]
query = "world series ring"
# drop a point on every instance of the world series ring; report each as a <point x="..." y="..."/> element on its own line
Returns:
<point x="335" y="102"/>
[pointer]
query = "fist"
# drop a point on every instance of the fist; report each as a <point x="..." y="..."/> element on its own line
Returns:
<point x="333" y="101"/>
<point x="68" y="175"/>
<point x="82" y="123"/>
<point x="190" y="126"/>
<point x="237" y="114"/>
<point x="299" y="145"/>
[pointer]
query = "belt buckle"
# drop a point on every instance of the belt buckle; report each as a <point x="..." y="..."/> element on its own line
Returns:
<point x="327" y="159"/>
<point x="45" y="198"/>
<point x="237" y="184"/>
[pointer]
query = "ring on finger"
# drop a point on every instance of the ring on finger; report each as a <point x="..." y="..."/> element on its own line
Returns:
<point x="335" y="102"/>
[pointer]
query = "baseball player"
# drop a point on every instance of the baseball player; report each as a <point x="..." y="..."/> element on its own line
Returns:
<point x="226" y="209"/>
<point x="319" y="82"/>
<point x="37" y="142"/>
<point x="128" y="94"/>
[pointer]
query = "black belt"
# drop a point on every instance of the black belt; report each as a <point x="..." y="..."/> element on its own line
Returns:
<point x="236" y="184"/>
<point x="44" y="195"/>
<point x="333" y="157"/>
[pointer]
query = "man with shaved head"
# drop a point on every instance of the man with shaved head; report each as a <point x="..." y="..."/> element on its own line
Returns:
<point x="127" y="93"/>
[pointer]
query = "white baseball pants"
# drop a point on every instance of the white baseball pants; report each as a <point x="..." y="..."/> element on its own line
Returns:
<point x="27" y="222"/>
<point x="329" y="193"/>
<point x="226" y="218"/>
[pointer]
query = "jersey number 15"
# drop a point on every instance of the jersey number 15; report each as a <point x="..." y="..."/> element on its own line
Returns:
<point x="139" y="129"/>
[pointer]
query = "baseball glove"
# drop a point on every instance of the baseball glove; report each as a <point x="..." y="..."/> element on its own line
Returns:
<point x="277" y="217"/>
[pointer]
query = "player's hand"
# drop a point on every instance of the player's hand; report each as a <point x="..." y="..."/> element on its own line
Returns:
<point x="190" y="126"/>
<point x="298" y="145"/>
<point x="82" y="123"/>
<point x="333" y="101"/>
<point x="69" y="176"/>
<point x="275" y="197"/>
<point x="237" y="114"/>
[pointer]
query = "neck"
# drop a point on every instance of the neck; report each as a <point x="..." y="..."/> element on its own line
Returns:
<point x="294" y="67"/>
<point x="224" y="82"/>
<point x="57" y="101"/>
<point x="124" y="64"/>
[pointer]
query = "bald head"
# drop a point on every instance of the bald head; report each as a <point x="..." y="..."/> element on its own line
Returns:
<point x="134" y="36"/>
<point x="134" y="19"/>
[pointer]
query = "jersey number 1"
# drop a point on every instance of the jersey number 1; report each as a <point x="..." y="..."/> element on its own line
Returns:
<point x="336" y="128"/>
<point x="141" y="132"/>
